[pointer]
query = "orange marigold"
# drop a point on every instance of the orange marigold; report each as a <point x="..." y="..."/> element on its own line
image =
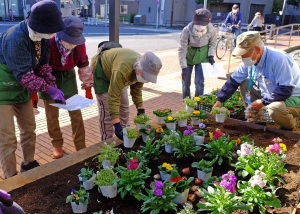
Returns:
<point x="238" y="140"/>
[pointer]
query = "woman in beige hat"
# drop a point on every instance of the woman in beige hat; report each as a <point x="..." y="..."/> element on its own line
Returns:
<point x="257" y="22"/>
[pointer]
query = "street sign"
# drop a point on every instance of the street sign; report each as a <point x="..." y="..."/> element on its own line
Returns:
<point x="157" y="2"/>
<point x="70" y="6"/>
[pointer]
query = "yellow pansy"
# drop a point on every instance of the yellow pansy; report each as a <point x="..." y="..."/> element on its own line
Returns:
<point x="76" y="197"/>
<point x="169" y="167"/>
<point x="197" y="98"/>
<point x="267" y="148"/>
<point x="240" y="98"/>
<point x="164" y="164"/>
<point x="170" y="118"/>
<point x="283" y="146"/>
<point x="159" y="130"/>
<point x="211" y="135"/>
<point x="196" y="112"/>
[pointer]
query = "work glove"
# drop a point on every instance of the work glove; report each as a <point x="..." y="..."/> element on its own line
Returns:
<point x="118" y="130"/>
<point x="56" y="95"/>
<point x="223" y="25"/>
<point x="140" y="111"/>
<point x="5" y="198"/>
<point x="34" y="99"/>
<point x="211" y="60"/>
<point x="88" y="93"/>
<point x="184" y="73"/>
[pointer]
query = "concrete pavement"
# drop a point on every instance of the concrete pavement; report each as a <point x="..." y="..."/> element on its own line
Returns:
<point x="165" y="94"/>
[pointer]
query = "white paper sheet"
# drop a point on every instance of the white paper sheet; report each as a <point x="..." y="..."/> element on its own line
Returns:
<point x="75" y="102"/>
<point x="217" y="70"/>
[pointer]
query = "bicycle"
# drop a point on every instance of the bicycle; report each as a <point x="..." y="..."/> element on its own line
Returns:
<point x="224" y="32"/>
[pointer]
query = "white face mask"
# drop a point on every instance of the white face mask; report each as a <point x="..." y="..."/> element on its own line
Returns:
<point x="199" y="30"/>
<point x="141" y="79"/>
<point x="34" y="36"/>
<point x="234" y="11"/>
<point x="248" y="61"/>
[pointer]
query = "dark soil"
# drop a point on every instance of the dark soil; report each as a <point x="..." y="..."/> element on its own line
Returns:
<point x="48" y="195"/>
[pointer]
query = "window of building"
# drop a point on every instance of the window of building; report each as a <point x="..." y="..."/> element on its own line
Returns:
<point x="123" y="9"/>
<point x="14" y="7"/>
<point x="2" y="8"/>
<point x="149" y="9"/>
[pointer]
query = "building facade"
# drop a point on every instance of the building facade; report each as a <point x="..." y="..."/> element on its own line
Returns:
<point x="183" y="10"/>
<point x="126" y="7"/>
<point x="20" y="8"/>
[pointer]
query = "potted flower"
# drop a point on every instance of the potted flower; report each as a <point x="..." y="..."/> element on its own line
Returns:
<point x="79" y="200"/>
<point x="182" y="116"/>
<point x="130" y="136"/>
<point x="150" y="153"/>
<point x="147" y="133"/>
<point x="182" y="187"/>
<point x="169" y="141"/>
<point x="160" y="199"/>
<point x="204" y="168"/>
<point x="87" y="176"/>
<point x="199" y="134"/>
<point x="190" y="104"/>
<point x="108" y="155"/>
<point x="220" y="114"/>
<point x="222" y="149"/>
<point x="185" y="147"/>
<point x="198" y="116"/>
<point x="170" y="122"/>
<point x="220" y="200"/>
<point x="132" y="179"/>
<point x="141" y="120"/>
<point x="256" y="195"/>
<point x="104" y="181"/>
<point x="161" y="115"/>
<point x="107" y="212"/>
<point x="165" y="170"/>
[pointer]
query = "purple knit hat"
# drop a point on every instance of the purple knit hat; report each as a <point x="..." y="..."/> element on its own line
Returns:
<point x="45" y="17"/>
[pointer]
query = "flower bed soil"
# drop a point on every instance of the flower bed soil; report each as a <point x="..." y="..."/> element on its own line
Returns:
<point x="48" y="195"/>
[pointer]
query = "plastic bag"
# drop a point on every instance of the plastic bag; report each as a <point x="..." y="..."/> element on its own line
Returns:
<point x="254" y="116"/>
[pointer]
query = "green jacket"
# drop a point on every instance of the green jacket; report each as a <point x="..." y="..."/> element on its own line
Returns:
<point x="11" y="91"/>
<point x="117" y="64"/>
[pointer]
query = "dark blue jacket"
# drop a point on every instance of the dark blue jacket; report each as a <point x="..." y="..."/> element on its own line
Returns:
<point x="237" y="21"/>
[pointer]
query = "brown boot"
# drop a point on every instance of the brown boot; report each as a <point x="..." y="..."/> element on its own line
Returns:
<point x="58" y="152"/>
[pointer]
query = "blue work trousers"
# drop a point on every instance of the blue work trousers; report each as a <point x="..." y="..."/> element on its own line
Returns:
<point x="199" y="81"/>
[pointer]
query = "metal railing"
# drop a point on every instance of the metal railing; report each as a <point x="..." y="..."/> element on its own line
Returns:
<point x="229" y="41"/>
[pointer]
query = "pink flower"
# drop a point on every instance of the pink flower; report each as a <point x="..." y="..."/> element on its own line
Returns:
<point x="235" y="155"/>
<point x="161" y="111"/>
<point x="216" y="182"/>
<point x="235" y="107"/>
<point x="217" y="135"/>
<point x="210" y="103"/>
<point x="148" y="129"/>
<point x="277" y="140"/>
<point x="169" y="109"/>
<point x="274" y="148"/>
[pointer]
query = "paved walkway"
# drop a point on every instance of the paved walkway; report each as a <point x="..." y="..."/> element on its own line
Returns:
<point x="165" y="94"/>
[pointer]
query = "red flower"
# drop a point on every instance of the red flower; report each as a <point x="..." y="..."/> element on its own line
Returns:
<point x="218" y="135"/>
<point x="240" y="104"/>
<point x="175" y="180"/>
<point x="231" y="111"/>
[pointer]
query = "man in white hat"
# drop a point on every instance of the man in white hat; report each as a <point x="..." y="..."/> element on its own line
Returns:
<point x="114" y="70"/>
<point x="267" y="77"/>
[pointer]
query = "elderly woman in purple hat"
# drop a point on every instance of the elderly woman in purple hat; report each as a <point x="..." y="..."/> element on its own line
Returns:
<point x="24" y="69"/>
<point x="66" y="52"/>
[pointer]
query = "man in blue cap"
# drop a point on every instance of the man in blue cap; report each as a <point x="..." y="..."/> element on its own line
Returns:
<point x="24" y="69"/>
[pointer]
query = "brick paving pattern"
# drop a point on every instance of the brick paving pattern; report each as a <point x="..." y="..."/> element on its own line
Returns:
<point x="165" y="94"/>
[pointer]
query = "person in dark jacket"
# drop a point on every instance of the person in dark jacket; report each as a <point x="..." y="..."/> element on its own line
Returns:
<point x="24" y="69"/>
<point x="235" y="17"/>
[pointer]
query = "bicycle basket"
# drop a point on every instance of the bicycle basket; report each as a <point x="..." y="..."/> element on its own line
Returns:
<point x="225" y="29"/>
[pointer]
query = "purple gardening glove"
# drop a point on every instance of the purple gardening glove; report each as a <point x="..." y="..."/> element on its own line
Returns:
<point x="5" y="199"/>
<point x="184" y="73"/>
<point x="56" y="94"/>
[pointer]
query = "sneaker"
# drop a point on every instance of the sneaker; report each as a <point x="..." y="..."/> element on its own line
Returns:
<point x="29" y="166"/>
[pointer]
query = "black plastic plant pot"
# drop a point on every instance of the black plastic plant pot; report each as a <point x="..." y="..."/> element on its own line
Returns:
<point x="223" y="167"/>
<point x="181" y="161"/>
<point x="153" y="164"/>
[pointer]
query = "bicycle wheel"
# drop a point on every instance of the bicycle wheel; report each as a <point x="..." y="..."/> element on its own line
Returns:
<point x="221" y="48"/>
